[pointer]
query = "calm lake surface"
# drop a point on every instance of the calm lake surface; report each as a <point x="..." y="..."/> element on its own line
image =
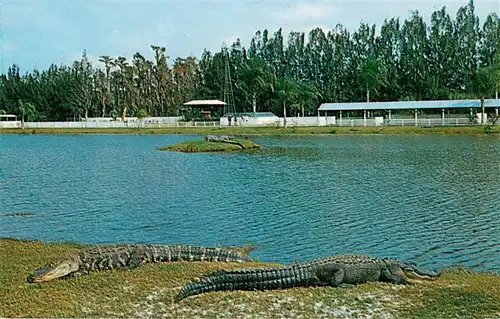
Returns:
<point x="432" y="199"/>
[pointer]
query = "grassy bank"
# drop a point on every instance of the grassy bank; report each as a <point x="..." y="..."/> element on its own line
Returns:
<point x="476" y="130"/>
<point x="148" y="291"/>
<point x="194" y="146"/>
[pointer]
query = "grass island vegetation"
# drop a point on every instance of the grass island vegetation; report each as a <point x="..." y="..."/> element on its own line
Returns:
<point x="201" y="145"/>
<point x="149" y="290"/>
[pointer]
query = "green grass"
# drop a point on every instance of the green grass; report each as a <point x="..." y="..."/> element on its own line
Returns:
<point x="193" y="146"/>
<point x="266" y="130"/>
<point x="148" y="291"/>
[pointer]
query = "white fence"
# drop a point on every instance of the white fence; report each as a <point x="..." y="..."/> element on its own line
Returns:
<point x="117" y="124"/>
<point x="333" y="121"/>
<point x="10" y="124"/>
<point x="290" y="122"/>
<point x="405" y="122"/>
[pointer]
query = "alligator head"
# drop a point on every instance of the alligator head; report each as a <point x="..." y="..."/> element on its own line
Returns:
<point x="412" y="271"/>
<point x="57" y="269"/>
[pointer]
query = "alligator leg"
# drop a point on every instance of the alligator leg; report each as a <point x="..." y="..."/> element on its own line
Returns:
<point x="331" y="274"/>
<point x="134" y="260"/>
<point x="393" y="278"/>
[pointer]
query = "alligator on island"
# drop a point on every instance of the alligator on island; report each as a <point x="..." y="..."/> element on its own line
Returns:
<point x="337" y="270"/>
<point x="222" y="139"/>
<point x="103" y="257"/>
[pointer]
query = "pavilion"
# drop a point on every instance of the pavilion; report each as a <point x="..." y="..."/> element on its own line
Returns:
<point x="379" y="110"/>
<point x="206" y="107"/>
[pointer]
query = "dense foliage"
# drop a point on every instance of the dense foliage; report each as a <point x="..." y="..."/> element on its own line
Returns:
<point x="410" y="60"/>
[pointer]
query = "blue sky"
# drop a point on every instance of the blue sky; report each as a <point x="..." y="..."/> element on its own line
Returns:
<point x="35" y="34"/>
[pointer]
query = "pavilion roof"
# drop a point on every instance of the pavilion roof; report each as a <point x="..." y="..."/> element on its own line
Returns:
<point x="402" y="105"/>
<point x="204" y="102"/>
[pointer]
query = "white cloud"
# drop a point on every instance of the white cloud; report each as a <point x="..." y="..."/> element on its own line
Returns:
<point x="8" y="48"/>
<point x="230" y="40"/>
<point x="307" y="11"/>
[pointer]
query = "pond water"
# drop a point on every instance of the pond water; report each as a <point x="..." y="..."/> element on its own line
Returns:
<point x="432" y="199"/>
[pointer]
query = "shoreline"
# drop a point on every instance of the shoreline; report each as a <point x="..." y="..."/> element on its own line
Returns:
<point x="149" y="290"/>
<point x="251" y="131"/>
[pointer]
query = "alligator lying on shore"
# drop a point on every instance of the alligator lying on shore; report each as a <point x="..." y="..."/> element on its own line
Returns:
<point x="222" y="139"/>
<point x="103" y="257"/>
<point x="338" y="270"/>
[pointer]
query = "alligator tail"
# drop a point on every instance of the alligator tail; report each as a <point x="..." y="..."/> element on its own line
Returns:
<point x="250" y="279"/>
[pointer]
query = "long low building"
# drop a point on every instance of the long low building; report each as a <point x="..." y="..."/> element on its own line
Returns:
<point x="382" y="112"/>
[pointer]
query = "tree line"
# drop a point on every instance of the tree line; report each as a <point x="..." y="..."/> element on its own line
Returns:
<point x="449" y="58"/>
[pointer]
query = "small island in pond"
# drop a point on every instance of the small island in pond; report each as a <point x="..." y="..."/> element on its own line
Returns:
<point x="212" y="143"/>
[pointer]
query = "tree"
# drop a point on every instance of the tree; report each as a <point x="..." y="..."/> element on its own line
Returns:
<point x="82" y="86"/>
<point x="286" y="91"/>
<point x="466" y="37"/>
<point x="442" y="65"/>
<point x="414" y="57"/>
<point x="307" y="97"/>
<point x="184" y="79"/>
<point x="372" y="75"/>
<point x="483" y="85"/>
<point x="26" y="110"/>
<point x="106" y="97"/>
<point x="256" y="77"/>
<point x="388" y="52"/>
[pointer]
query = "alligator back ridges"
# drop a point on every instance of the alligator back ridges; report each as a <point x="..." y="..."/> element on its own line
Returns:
<point x="250" y="279"/>
<point x="130" y="256"/>
<point x="154" y="253"/>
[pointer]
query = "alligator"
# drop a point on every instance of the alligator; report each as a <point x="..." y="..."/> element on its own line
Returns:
<point x="337" y="270"/>
<point x="103" y="257"/>
<point x="223" y="139"/>
<point x="215" y="138"/>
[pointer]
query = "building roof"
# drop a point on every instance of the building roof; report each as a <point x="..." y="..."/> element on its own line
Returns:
<point x="204" y="102"/>
<point x="404" y="105"/>
<point x="258" y="114"/>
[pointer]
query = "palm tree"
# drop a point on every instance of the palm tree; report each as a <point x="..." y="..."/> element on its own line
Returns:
<point x="287" y="91"/>
<point x="257" y="77"/>
<point x="483" y="84"/>
<point x="26" y="110"/>
<point x="308" y="94"/>
<point x="372" y="76"/>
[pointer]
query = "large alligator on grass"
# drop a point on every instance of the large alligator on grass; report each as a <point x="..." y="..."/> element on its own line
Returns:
<point x="338" y="270"/>
<point x="222" y="139"/>
<point x="103" y="257"/>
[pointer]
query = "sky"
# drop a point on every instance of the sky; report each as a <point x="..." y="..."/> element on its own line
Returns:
<point x="35" y="34"/>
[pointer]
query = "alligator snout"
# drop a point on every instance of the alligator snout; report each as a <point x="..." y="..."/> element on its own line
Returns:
<point x="31" y="278"/>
